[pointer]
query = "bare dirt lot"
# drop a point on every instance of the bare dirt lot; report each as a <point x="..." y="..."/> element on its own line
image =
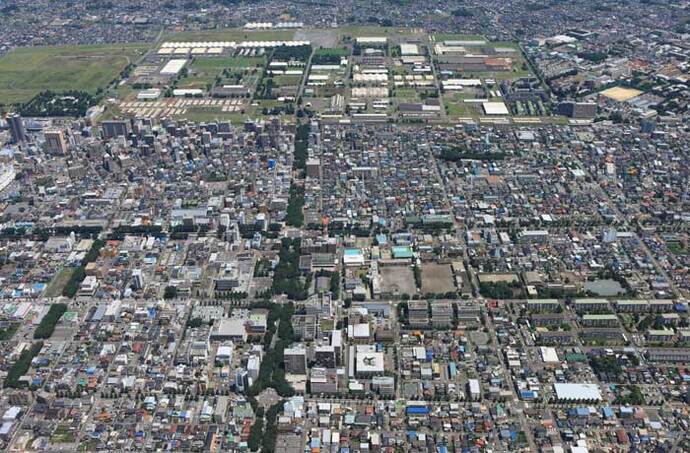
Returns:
<point x="437" y="278"/>
<point x="397" y="280"/>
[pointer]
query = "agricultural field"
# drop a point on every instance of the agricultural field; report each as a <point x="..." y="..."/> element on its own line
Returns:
<point x="27" y="71"/>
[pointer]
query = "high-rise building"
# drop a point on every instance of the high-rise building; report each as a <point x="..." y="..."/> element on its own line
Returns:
<point x="586" y="110"/>
<point x="137" y="279"/>
<point x="324" y="355"/>
<point x="313" y="167"/>
<point x="17" y="129"/>
<point x="115" y="128"/>
<point x="295" y="359"/>
<point x="55" y="142"/>
<point x="323" y="380"/>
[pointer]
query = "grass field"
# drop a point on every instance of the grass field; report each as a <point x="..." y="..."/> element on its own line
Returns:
<point x="676" y="247"/>
<point x="58" y="282"/>
<point x="458" y="37"/>
<point x="26" y="71"/>
<point x="230" y="34"/>
<point x="358" y="31"/>
<point x="459" y="109"/>
<point x="218" y="64"/>
<point x="289" y="80"/>
<point x="339" y="52"/>
<point x="406" y="95"/>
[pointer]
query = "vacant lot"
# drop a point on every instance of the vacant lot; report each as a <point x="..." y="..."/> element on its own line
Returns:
<point x="26" y="71"/>
<point x="397" y="280"/>
<point x="437" y="279"/>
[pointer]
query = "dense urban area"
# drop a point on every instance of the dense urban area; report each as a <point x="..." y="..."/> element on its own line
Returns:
<point x="345" y="227"/>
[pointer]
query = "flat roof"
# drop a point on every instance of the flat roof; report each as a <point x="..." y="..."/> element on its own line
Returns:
<point x="372" y="39"/>
<point x="173" y="66"/>
<point x="495" y="108"/>
<point x="409" y="49"/>
<point x="600" y="316"/>
<point x="369" y="361"/>
<point x="579" y="391"/>
<point x="549" y="355"/>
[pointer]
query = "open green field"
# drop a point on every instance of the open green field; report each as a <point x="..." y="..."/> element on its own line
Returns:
<point x="676" y="247"/>
<point x="332" y="52"/>
<point x="230" y="34"/>
<point x="406" y="94"/>
<point x="200" y="81"/>
<point x="57" y="284"/>
<point x="218" y="64"/>
<point x="286" y="80"/>
<point x="510" y="44"/>
<point x="456" y="107"/>
<point x="458" y="37"/>
<point x="26" y="71"/>
<point x="359" y="31"/>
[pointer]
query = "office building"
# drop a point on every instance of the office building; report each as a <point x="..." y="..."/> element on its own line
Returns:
<point x="295" y="359"/>
<point x="115" y="128"/>
<point x="137" y="279"/>
<point x="55" y="142"/>
<point x="418" y="313"/>
<point x="324" y="356"/>
<point x="580" y="110"/>
<point x="17" y="129"/>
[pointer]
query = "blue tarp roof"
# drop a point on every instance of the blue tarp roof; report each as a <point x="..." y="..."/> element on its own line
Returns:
<point x="527" y="394"/>
<point x="417" y="410"/>
<point x="582" y="411"/>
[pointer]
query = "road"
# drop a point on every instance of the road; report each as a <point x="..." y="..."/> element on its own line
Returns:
<point x="305" y="76"/>
<point x="437" y="80"/>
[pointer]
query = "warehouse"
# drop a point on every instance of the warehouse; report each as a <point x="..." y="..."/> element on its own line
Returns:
<point x="495" y="108"/>
<point x="577" y="392"/>
<point x="549" y="355"/>
<point x="409" y="49"/>
<point x="372" y="40"/>
<point x="173" y="67"/>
